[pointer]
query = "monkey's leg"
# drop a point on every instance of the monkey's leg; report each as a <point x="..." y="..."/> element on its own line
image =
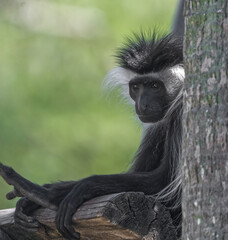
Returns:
<point x="25" y="188"/>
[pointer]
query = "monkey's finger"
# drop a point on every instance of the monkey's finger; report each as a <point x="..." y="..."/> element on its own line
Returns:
<point x="11" y="195"/>
<point x="20" y="215"/>
<point x="24" y="221"/>
<point x="33" y="223"/>
<point x="27" y="228"/>
<point x="60" y="224"/>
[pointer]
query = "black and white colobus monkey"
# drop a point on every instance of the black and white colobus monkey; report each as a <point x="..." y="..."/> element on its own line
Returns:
<point x="151" y="76"/>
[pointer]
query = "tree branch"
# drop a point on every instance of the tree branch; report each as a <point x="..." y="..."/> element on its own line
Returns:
<point x="117" y="216"/>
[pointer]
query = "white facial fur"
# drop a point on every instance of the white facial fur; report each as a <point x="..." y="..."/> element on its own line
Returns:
<point x="119" y="77"/>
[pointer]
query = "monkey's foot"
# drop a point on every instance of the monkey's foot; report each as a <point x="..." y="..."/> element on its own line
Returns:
<point x="25" y="188"/>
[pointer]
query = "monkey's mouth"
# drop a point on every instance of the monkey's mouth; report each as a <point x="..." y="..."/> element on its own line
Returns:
<point x="150" y="118"/>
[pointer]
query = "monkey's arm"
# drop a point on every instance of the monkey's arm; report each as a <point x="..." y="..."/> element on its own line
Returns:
<point x="50" y="195"/>
<point x="94" y="186"/>
<point x="71" y="197"/>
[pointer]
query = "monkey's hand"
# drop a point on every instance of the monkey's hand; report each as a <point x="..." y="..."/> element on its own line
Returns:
<point x="81" y="192"/>
<point x="22" y="215"/>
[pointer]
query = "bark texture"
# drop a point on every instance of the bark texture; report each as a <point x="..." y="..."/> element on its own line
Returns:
<point x="205" y="149"/>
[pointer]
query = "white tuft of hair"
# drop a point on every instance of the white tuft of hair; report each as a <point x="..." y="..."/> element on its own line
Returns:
<point x="119" y="78"/>
<point x="173" y="78"/>
<point x="179" y="72"/>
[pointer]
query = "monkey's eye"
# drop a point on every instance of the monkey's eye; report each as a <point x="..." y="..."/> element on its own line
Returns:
<point x="154" y="84"/>
<point x="134" y="87"/>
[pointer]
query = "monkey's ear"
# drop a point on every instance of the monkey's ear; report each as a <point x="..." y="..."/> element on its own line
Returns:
<point x="118" y="78"/>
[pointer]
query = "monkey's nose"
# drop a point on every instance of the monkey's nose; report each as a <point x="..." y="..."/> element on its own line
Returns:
<point x="143" y="107"/>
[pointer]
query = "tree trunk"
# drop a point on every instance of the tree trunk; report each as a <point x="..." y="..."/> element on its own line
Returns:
<point x="205" y="148"/>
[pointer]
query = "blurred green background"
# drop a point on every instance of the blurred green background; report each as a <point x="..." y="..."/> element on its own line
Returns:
<point x="55" y="123"/>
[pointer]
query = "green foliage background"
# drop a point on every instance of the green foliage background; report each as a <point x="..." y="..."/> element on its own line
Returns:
<point x="55" y="124"/>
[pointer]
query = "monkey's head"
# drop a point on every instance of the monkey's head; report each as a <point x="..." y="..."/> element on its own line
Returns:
<point x="151" y="73"/>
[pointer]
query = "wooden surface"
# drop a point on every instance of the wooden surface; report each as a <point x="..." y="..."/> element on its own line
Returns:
<point x="131" y="216"/>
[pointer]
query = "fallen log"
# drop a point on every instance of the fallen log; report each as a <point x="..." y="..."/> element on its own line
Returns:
<point x="121" y="216"/>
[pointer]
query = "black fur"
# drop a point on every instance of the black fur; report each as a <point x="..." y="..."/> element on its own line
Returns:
<point x="143" y="54"/>
<point x="160" y="150"/>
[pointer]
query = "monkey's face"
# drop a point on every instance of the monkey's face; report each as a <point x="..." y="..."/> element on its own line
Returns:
<point x="150" y="97"/>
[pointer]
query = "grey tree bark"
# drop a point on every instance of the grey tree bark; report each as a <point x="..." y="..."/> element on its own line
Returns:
<point x="205" y="148"/>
